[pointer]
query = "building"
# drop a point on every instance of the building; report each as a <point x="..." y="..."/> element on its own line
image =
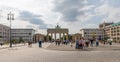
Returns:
<point x="103" y="25"/>
<point x="92" y="33"/>
<point x="62" y="33"/>
<point x="4" y="33"/>
<point x="76" y="36"/>
<point x="24" y="34"/>
<point x="37" y="37"/>
<point x="113" y="32"/>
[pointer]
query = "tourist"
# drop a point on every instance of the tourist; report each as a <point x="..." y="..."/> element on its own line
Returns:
<point x="110" y="42"/>
<point x="71" y="43"/>
<point x="1" y="43"/>
<point x="59" y="42"/>
<point x="40" y="43"/>
<point x="29" y="44"/>
<point x="81" y="45"/>
<point x="87" y="43"/>
<point x="97" y="42"/>
<point x="104" y="42"/>
<point x="66" y="42"/>
<point x="91" y="41"/>
<point x="56" y="42"/>
<point x="77" y="44"/>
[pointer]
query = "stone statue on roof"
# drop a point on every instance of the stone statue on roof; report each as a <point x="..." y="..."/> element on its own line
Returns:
<point x="57" y="27"/>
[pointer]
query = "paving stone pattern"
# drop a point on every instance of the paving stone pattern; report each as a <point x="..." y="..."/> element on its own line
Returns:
<point x="36" y="54"/>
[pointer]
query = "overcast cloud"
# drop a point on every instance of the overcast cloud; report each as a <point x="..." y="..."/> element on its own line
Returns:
<point x="70" y="9"/>
<point x="75" y="14"/>
<point x="33" y="19"/>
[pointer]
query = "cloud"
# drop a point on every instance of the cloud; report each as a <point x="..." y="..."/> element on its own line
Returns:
<point x="33" y="19"/>
<point x="71" y="10"/>
<point x="112" y="13"/>
<point x="113" y="3"/>
<point x="72" y="14"/>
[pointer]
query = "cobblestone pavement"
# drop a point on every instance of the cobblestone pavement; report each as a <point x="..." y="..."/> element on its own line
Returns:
<point x="13" y="45"/>
<point x="101" y="47"/>
<point x="35" y="54"/>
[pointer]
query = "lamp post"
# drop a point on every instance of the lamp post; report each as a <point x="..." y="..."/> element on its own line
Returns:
<point x="30" y="37"/>
<point x="10" y="17"/>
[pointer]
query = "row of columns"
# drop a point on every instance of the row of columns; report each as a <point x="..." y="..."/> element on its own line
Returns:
<point x="59" y="35"/>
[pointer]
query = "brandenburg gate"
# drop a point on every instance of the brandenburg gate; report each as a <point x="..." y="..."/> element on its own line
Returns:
<point x="57" y="30"/>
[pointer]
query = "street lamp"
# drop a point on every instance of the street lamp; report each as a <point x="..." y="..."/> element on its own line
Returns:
<point x="30" y="36"/>
<point x="10" y="17"/>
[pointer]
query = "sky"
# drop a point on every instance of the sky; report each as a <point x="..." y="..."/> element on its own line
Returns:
<point x="71" y="14"/>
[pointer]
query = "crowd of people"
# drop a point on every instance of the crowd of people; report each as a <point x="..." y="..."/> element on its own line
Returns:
<point x="80" y="44"/>
<point x="64" y="42"/>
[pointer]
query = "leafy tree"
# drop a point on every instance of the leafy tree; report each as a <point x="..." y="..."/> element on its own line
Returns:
<point x="64" y="37"/>
<point x="70" y="37"/>
<point x="21" y="40"/>
<point x="14" y="41"/>
<point x="50" y="38"/>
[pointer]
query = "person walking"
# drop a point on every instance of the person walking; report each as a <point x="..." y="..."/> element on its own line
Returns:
<point x="110" y="42"/>
<point x="87" y="43"/>
<point x="40" y="43"/>
<point x="59" y="42"/>
<point x="71" y="43"/>
<point x="66" y="42"/>
<point x="91" y="41"/>
<point x="56" y="42"/>
<point x="29" y="44"/>
<point x="81" y="43"/>
<point x="77" y="44"/>
<point x="97" y="42"/>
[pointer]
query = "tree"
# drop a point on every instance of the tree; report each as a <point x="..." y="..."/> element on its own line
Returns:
<point x="50" y="38"/>
<point x="70" y="37"/>
<point x="21" y="40"/>
<point x="14" y="41"/>
<point x="64" y="37"/>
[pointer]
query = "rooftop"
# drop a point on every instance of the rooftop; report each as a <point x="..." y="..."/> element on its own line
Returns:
<point x="116" y="24"/>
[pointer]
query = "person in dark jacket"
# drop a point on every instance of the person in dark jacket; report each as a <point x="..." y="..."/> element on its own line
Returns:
<point x="40" y="43"/>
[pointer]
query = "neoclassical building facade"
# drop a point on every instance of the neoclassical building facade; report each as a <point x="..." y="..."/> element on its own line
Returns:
<point x="76" y="36"/>
<point x="37" y="37"/>
<point x="62" y="33"/>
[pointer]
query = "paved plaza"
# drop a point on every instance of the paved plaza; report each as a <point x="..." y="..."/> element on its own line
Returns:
<point x="45" y="54"/>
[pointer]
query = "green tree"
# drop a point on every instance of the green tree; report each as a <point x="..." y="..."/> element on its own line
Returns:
<point x="64" y="37"/>
<point x="50" y="38"/>
<point x="14" y="41"/>
<point x="70" y="37"/>
<point x="21" y="40"/>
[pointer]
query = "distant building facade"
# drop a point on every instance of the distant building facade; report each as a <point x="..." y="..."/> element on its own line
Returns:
<point x="92" y="33"/>
<point x="25" y="34"/>
<point x="103" y="25"/>
<point x="37" y="37"/>
<point x="4" y="33"/>
<point x="113" y="32"/>
<point x="52" y="32"/>
<point x="76" y="36"/>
